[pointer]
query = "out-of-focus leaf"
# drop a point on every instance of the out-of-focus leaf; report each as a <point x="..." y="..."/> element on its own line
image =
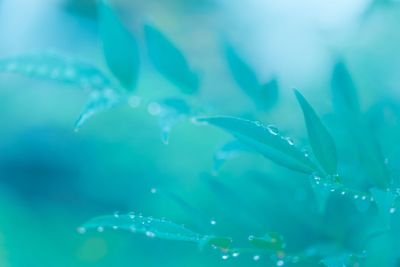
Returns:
<point x="170" y="61"/>
<point x="346" y="105"/>
<point x="344" y="93"/>
<point x="321" y="141"/>
<point x="50" y="66"/>
<point x="98" y="101"/>
<point x="229" y="151"/>
<point x="263" y="95"/>
<point x="172" y="111"/>
<point x="265" y="140"/>
<point x="271" y="241"/>
<point x="119" y="46"/>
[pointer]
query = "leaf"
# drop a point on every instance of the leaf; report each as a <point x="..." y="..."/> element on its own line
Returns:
<point x="120" y="48"/>
<point x="151" y="227"/>
<point x="263" y="95"/>
<point x="172" y="112"/>
<point x="170" y="61"/>
<point x="229" y="151"/>
<point x="265" y="140"/>
<point x="321" y="141"/>
<point x="346" y="104"/>
<point x="98" y="101"/>
<point x="50" y="66"/>
<point x="344" y="93"/>
<point x="271" y="241"/>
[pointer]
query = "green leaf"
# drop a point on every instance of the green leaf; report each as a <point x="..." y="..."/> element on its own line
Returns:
<point x="321" y="141"/>
<point x="263" y="95"/>
<point x="271" y="241"/>
<point x="170" y="61"/>
<point x="265" y="140"/>
<point x="151" y="227"/>
<point x="120" y="48"/>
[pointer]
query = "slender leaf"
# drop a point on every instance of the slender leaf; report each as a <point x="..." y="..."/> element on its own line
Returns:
<point x="263" y="95"/>
<point x="265" y="140"/>
<point x="119" y="46"/>
<point x="170" y="61"/>
<point x="270" y="241"/>
<point x="321" y="141"/>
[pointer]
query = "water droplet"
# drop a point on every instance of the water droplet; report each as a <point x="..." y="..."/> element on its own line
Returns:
<point x="343" y="193"/>
<point x="256" y="257"/>
<point x="115" y="227"/>
<point x="272" y="129"/>
<point x="235" y="254"/>
<point x="154" y="109"/>
<point x="116" y="214"/>
<point x="213" y="222"/>
<point x="392" y="210"/>
<point x="364" y="197"/>
<point x="355" y="196"/>
<point x="251" y="237"/>
<point x="289" y="141"/>
<point x="132" y="229"/>
<point x="134" y="101"/>
<point x="280" y="263"/>
<point x="225" y="257"/>
<point x="150" y="234"/>
<point x="100" y="229"/>
<point x="131" y="215"/>
<point x="81" y="230"/>
<point x="153" y="190"/>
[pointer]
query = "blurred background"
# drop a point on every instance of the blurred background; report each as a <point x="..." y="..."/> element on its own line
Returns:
<point x="52" y="179"/>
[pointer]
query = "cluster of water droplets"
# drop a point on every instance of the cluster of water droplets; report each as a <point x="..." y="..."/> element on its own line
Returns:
<point x="137" y="223"/>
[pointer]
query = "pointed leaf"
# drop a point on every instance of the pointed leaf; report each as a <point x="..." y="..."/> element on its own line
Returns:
<point x="151" y="227"/>
<point x="263" y="95"/>
<point x="170" y="61"/>
<point x="271" y="241"/>
<point x="344" y="93"/>
<point x="321" y="141"/>
<point x="120" y="48"/>
<point x="265" y="140"/>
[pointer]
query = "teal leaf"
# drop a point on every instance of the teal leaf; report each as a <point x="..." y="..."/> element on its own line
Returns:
<point x="270" y="241"/>
<point x="265" y="140"/>
<point x="347" y="107"/>
<point x="55" y="67"/>
<point x="98" y="101"/>
<point x="170" y="61"/>
<point x="120" y="48"/>
<point x="344" y="93"/>
<point x="151" y="227"/>
<point x="103" y="94"/>
<point x="321" y="141"/>
<point x="172" y="112"/>
<point x="229" y="151"/>
<point x="263" y="95"/>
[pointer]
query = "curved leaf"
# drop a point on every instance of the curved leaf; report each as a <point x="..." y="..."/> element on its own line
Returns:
<point x="151" y="227"/>
<point x="120" y="48"/>
<point x="263" y="95"/>
<point x="50" y="66"/>
<point x="170" y="61"/>
<point x="265" y="140"/>
<point x="321" y="141"/>
<point x="271" y="241"/>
